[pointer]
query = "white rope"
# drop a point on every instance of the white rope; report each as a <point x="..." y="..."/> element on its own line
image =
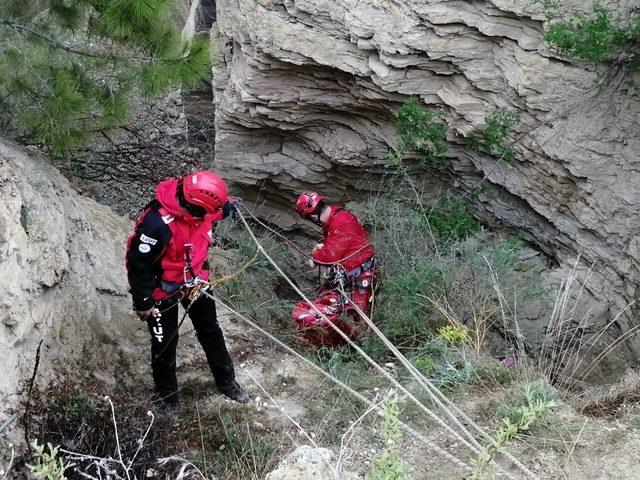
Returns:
<point x="475" y="450"/>
<point x="437" y="395"/>
<point x="434" y="392"/>
<point x="341" y="384"/>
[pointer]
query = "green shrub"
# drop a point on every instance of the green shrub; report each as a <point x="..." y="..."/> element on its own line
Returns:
<point x="494" y="139"/>
<point x="422" y="130"/>
<point x="451" y="221"/>
<point x="74" y="407"/>
<point x="452" y="273"/>
<point x="522" y="395"/>
<point x="531" y="404"/>
<point x="454" y="334"/>
<point x="389" y="465"/>
<point x="493" y="375"/>
<point x="48" y="465"/>
<point x="602" y="37"/>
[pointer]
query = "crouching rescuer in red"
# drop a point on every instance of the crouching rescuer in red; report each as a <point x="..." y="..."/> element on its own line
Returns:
<point x="348" y="254"/>
<point x="167" y="265"/>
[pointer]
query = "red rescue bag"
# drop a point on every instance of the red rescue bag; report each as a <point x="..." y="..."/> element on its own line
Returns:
<point x="314" y="329"/>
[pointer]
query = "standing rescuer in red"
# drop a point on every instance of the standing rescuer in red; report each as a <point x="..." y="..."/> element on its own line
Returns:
<point x="167" y="253"/>
<point x="349" y="254"/>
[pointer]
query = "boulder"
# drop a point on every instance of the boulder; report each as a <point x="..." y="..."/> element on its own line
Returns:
<point x="309" y="463"/>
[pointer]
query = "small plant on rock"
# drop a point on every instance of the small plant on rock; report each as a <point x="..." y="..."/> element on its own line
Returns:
<point x="422" y="130"/>
<point x="602" y="37"/>
<point x="494" y="139"/>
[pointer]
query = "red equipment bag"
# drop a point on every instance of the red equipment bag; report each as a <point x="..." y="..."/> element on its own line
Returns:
<point x="313" y="329"/>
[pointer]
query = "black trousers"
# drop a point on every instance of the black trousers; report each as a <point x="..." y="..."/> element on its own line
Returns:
<point x="164" y="340"/>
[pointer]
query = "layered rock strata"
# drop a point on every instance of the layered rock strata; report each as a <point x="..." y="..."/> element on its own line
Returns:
<point x="306" y="89"/>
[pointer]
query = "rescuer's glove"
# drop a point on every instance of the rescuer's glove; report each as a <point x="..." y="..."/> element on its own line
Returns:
<point x="145" y="315"/>
<point x="230" y="207"/>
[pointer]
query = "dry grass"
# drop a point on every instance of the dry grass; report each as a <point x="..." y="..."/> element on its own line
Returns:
<point x="482" y="317"/>
<point x="125" y="435"/>
<point x="616" y="401"/>
<point x="573" y="347"/>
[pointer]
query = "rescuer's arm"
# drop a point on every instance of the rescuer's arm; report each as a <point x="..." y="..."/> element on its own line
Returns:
<point x="144" y="249"/>
<point x="336" y="244"/>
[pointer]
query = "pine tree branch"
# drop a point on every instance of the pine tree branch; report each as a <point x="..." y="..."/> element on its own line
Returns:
<point x="29" y="29"/>
<point x="56" y="43"/>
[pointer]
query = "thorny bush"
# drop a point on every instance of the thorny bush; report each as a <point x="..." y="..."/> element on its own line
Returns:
<point x="73" y="420"/>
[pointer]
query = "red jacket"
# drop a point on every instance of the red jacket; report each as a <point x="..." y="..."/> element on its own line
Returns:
<point x="156" y="249"/>
<point x="345" y="242"/>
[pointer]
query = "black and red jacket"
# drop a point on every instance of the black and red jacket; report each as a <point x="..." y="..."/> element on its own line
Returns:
<point x="345" y="241"/>
<point x="156" y="250"/>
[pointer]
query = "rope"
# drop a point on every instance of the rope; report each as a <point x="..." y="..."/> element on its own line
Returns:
<point x="227" y="278"/>
<point x="439" y="398"/>
<point x="350" y="342"/>
<point x="341" y="384"/>
<point x="306" y="255"/>
<point x="275" y="232"/>
<point x="200" y="287"/>
<point x="457" y="435"/>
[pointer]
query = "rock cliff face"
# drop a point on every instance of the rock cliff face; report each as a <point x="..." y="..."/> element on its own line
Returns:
<point x="305" y="93"/>
<point x="62" y="278"/>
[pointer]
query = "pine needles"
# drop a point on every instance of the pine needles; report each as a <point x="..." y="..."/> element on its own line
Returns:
<point x="74" y="69"/>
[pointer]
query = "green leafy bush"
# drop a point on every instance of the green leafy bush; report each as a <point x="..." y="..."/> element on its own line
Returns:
<point x="418" y="272"/>
<point x="74" y="408"/>
<point x="48" y="465"/>
<point x="494" y="139"/>
<point x="601" y="37"/>
<point x="72" y="71"/>
<point x="422" y="130"/>
<point x="451" y="220"/>
<point x="532" y="403"/>
<point x="535" y="392"/>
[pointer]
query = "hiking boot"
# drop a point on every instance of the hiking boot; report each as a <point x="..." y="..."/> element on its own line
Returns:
<point x="165" y="407"/>
<point x="166" y="411"/>
<point x="234" y="391"/>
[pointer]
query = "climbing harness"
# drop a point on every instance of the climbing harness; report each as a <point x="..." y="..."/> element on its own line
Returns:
<point x="189" y="277"/>
<point x="332" y="300"/>
<point x="194" y="290"/>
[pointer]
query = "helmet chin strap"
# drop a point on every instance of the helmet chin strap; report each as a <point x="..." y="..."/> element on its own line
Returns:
<point x="314" y="218"/>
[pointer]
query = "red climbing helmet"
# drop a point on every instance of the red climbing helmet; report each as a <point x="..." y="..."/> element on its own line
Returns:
<point x="307" y="203"/>
<point x="205" y="189"/>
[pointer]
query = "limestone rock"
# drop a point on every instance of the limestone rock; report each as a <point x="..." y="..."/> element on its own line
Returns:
<point x="62" y="277"/>
<point x="308" y="463"/>
<point x="306" y="89"/>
